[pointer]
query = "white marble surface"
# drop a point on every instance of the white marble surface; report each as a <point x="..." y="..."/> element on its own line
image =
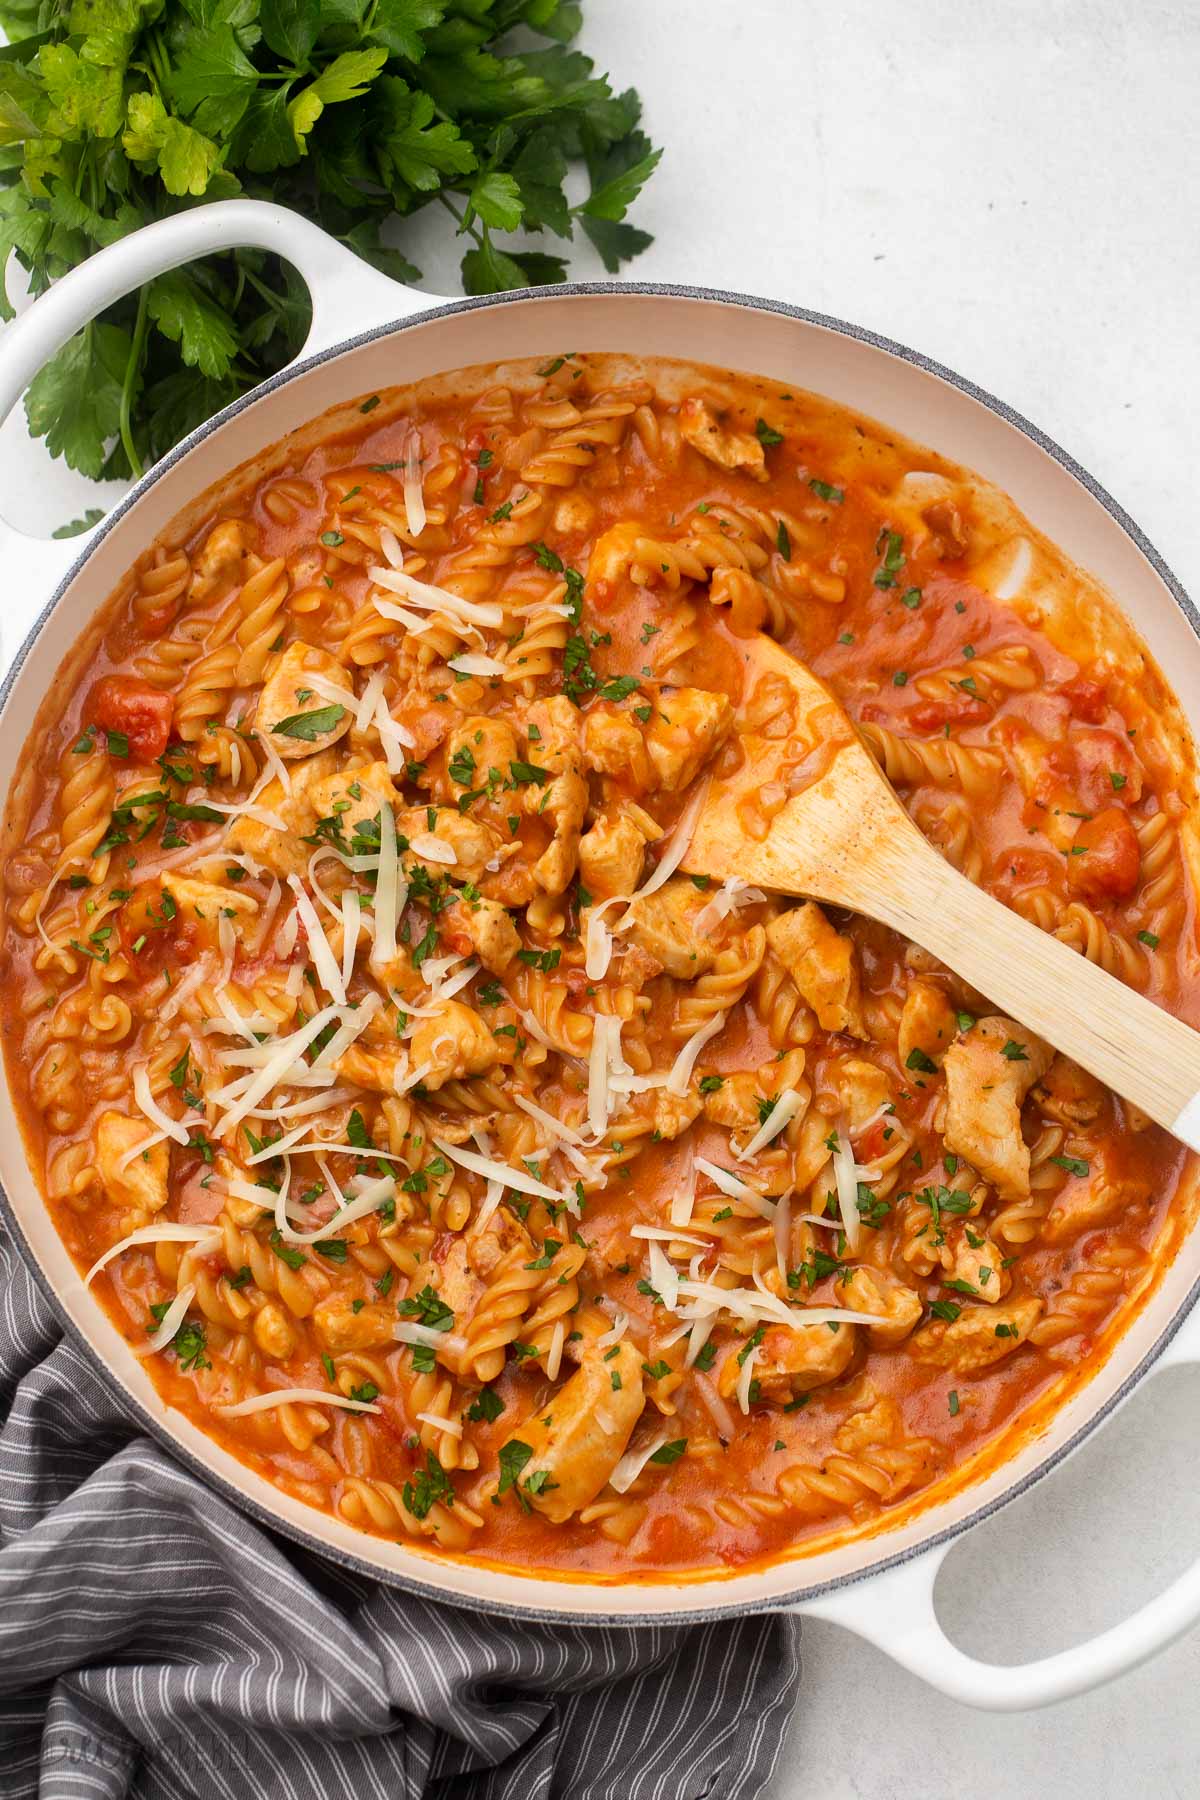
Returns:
<point x="1012" y="189"/>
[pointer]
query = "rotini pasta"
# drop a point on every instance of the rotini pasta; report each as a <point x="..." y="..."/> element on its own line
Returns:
<point x="459" y="1160"/>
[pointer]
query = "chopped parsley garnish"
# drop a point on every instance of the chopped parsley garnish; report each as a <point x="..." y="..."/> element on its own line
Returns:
<point x="824" y="491"/>
<point x="427" y="1487"/>
<point x="309" y="726"/>
<point x="427" y="1309"/>
<point x="766" y="434"/>
<point x="666" y="1454"/>
<point x="486" y="1406"/>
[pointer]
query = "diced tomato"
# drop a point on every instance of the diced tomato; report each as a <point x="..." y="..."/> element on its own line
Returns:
<point x="1105" y="859"/>
<point x="1086" y="699"/>
<point x="153" y="935"/>
<point x="1106" y="766"/>
<point x="123" y="704"/>
<point x="870" y="1144"/>
<point x="932" y="715"/>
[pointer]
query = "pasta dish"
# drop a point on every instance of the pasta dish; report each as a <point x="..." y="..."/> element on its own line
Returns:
<point x="457" y="1156"/>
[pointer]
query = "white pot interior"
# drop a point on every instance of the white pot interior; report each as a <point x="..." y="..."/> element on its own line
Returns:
<point x="858" y="374"/>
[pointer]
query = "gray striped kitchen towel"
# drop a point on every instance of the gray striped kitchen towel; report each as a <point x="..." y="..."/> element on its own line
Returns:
<point x="156" y="1644"/>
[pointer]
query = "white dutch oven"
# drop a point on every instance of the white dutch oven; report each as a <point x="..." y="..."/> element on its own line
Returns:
<point x="880" y="1587"/>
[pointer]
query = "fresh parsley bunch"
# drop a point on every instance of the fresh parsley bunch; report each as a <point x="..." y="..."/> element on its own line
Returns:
<point x="116" y="112"/>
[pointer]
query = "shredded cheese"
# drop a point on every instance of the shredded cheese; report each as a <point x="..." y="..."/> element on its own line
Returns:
<point x="372" y="694"/>
<point x="351" y="921"/>
<point x="409" y="1332"/>
<point x="296" y="1396"/>
<point x="845" y="1175"/>
<point x="434" y="599"/>
<point x="719" y="1413"/>
<point x="683" y="1198"/>
<point x="664" y="1277"/>
<point x="673" y="851"/>
<point x="557" y="1127"/>
<point x="453" y="1427"/>
<point x="153" y="1234"/>
<point x="746" y="1377"/>
<point x="153" y="1111"/>
<point x="733" y="1185"/>
<point x="634" y="1461"/>
<point x="787" y="1104"/>
<point x="660" y="1234"/>
<point x="414" y="499"/>
<point x="679" y="1079"/>
<point x="783" y="1236"/>
<point x="493" y="1170"/>
<point x="599" y="1067"/>
<point x="432" y="848"/>
<point x="172" y="1319"/>
<point x="620" y="1327"/>
<point x="285" y="1055"/>
<point x="599" y="939"/>
<point x="324" y="961"/>
<point x="390" y="893"/>
<point x="377" y="1195"/>
<point x="474" y="662"/>
<point x="732" y="894"/>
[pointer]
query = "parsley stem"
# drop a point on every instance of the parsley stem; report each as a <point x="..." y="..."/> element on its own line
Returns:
<point x="132" y="368"/>
<point x="462" y="224"/>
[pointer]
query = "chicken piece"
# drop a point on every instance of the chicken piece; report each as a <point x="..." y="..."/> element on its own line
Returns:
<point x="735" y="1103"/>
<point x="477" y="746"/>
<point x="1099" y="1200"/>
<point x="581" y="1435"/>
<point x="204" y="900"/>
<point x="700" y="427"/>
<point x="928" y="1025"/>
<point x="340" y="1328"/>
<point x="897" y="1307"/>
<point x="274" y="1332"/>
<point x="218" y="562"/>
<point x="478" y="850"/>
<point x="821" y="962"/>
<point x="687" y="725"/>
<point x="673" y="1113"/>
<point x="288" y="695"/>
<point x="142" y="1184"/>
<point x="355" y="797"/>
<point x="979" y="1336"/>
<point x="988" y="1073"/>
<point x="461" y="1276"/>
<point x="378" y="1070"/>
<point x="971" y="1257"/>
<point x="554" y="744"/>
<point x="284" y="852"/>
<point x="482" y="927"/>
<point x="613" y="745"/>
<point x="664" y="925"/>
<point x="790" y="1362"/>
<point x="863" y="1090"/>
<point x="611" y="856"/>
<point x="1068" y="1094"/>
<point x="454" y="1045"/>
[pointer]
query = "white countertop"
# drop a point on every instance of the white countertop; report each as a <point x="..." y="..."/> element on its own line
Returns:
<point x="1011" y="189"/>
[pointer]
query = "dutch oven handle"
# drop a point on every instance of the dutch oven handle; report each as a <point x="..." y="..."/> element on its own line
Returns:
<point x="895" y="1611"/>
<point x="347" y="294"/>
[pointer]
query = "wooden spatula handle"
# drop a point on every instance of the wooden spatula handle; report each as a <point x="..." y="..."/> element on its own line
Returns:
<point x="1133" y="1046"/>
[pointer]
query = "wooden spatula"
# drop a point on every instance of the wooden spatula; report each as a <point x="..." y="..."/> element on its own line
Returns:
<point x="844" y="837"/>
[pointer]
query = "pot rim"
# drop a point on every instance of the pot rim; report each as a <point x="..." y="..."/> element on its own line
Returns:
<point x="160" y="1430"/>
